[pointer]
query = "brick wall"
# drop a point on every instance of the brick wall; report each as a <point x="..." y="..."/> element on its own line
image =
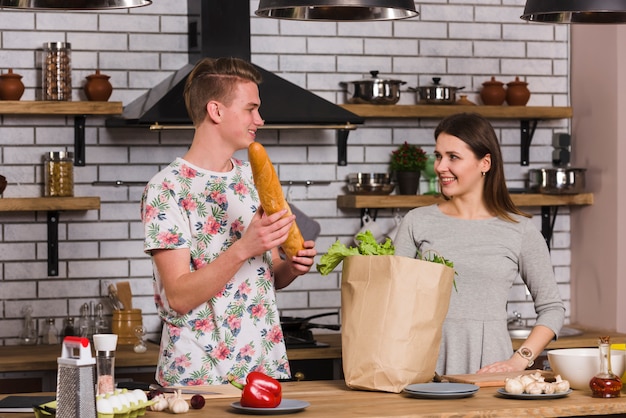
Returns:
<point x="463" y="42"/>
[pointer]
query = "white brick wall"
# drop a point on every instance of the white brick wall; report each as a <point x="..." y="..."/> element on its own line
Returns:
<point x="465" y="42"/>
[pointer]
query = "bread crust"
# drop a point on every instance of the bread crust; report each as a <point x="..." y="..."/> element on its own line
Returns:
<point x="271" y="195"/>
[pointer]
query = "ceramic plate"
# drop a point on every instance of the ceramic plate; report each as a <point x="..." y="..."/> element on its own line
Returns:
<point x="442" y="388"/>
<point x="506" y="394"/>
<point x="441" y="395"/>
<point x="287" y="406"/>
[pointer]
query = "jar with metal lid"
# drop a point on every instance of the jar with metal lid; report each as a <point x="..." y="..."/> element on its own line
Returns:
<point x="56" y="71"/>
<point x="59" y="173"/>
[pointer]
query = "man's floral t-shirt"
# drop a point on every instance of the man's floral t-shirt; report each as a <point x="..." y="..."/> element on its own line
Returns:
<point x="238" y="330"/>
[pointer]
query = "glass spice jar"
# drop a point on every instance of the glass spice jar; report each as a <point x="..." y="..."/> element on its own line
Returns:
<point x="57" y="71"/>
<point x="50" y="332"/>
<point x="59" y="174"/>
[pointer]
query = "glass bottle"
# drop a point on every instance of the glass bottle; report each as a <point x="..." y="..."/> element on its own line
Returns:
<point x="59" y="173"/>
<point x="68" y="327"/>
<point x="57" y="71"/>
<point x="605" y="384"/>
<point x="100" y="325"/>
<point x="50" y="332"/>
<point x="28" y="335"/>
<point x="84" y="322"/>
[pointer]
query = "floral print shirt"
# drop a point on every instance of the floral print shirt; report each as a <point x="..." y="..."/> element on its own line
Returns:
<point x="238" y="330"/>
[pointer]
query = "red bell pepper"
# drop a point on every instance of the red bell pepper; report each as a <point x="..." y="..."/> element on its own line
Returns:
<point x="260" y="391"/>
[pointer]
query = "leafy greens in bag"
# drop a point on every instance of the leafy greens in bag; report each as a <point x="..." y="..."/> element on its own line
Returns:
<point x="367" y="245"/>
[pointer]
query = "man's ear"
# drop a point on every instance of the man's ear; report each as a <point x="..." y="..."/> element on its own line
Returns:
<point x="213" y="111"/>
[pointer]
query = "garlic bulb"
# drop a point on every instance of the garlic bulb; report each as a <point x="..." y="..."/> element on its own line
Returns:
<point x="176" y="403"/>
<point x="160" y="403"/>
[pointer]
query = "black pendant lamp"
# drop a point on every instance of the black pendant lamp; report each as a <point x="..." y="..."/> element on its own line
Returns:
<point x="73" y="4"/>
<point x="337" y="10"/>
<point x="575" y="11"/>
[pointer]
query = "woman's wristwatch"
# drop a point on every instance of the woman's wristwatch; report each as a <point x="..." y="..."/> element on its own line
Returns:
<point x="527" y="354"/>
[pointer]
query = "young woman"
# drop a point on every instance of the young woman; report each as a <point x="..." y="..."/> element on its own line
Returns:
<point x="491" y="244"/>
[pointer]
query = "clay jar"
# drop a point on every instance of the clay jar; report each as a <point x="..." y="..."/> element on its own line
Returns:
<point x="493" y="92"/>
<point x="11" y="86"/>
<point x="517" y="93"/>
<point x="98" y="88"/>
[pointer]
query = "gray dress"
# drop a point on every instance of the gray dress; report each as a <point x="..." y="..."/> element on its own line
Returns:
<point x="488" y="255"/>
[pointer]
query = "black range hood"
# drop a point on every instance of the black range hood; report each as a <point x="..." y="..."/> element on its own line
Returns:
<point x="222" y="28"/>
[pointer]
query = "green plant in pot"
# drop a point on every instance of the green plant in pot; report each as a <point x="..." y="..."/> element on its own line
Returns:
<point x="407" y="162"/>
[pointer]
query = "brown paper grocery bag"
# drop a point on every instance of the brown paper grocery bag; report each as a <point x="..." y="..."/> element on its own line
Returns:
<point x="392" y="311"/>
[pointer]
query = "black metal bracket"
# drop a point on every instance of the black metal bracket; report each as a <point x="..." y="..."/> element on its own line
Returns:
<point x="342" y="147"/>
<point x="527" y="132"/>
<point x="53" y="243"/>
<point x="547" y="222"/>
<point x="79" y="140"/>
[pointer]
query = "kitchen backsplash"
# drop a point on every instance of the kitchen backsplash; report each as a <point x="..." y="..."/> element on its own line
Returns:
<point x="465" y="43"/>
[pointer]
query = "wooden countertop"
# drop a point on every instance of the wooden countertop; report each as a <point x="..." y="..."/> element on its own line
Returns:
<point x="44" y="357"/>
<point x="334" y="399"/>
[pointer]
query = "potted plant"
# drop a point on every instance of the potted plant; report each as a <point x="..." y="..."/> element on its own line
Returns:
<point x="407" y="162"/>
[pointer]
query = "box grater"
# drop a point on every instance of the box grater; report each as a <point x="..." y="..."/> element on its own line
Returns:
<point x="76" y="397"/>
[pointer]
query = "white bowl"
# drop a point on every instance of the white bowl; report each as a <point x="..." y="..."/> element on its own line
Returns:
<point x="579" y="365"/>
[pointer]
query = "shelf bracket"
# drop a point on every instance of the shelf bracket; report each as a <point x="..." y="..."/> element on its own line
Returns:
<point x="342" y="146"/>
<point x="53" y="243"/>
<point x="527" y="132"/>
<point x="79" y="140"/>
<point x="547" y="222"/>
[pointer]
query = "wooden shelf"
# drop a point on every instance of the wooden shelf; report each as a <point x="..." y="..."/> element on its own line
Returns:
<point x="24" y="107"/>
<point x="79" y="110"/>
<point x="441" y="111"/>
<point x="403" y="201"/>
<point x="28" y="204"/>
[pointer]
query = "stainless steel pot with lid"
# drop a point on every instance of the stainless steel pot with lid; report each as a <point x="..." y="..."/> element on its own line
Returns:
<point x="373" y="90"/>
<point x="436" y="93"/>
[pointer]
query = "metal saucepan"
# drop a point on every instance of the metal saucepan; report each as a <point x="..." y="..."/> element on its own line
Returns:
<point x="436" y="93"/>
<point x="558" y="180"/>
<point x="373" y="90"/>
<point x="292" y="323"/>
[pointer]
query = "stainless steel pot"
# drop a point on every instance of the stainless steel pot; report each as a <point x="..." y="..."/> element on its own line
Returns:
<point x="436" y="93"/>
<point x="560" y="180"/>
<point x="373" y="90"/>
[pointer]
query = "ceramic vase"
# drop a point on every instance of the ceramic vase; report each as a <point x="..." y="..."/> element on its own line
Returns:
<point x="493" y="92"/>
<point x="98" y="88"/>
<point x="408" y="182"/>
<point x="11" y="86"/>
<point x="517" y="93"/>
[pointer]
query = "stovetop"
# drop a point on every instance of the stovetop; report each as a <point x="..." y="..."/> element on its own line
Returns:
<point x="301" y="339"/>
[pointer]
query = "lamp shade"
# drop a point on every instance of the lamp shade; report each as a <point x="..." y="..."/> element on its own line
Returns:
<point x="575" y="11"/>
<point x="337" y="10"/>
<point x="73" y="4"/>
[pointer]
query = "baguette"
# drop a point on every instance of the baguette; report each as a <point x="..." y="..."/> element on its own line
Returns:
<point x="271" y="195"/>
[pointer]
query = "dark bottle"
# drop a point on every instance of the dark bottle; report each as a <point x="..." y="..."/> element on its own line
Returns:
<point x="68" y="327"/>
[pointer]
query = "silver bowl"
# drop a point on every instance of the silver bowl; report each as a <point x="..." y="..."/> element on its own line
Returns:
<point x="369" y="178"/>
<point x="371" y="188"/>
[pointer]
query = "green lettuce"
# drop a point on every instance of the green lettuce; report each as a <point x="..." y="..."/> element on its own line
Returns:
<point x="366" y="245"/>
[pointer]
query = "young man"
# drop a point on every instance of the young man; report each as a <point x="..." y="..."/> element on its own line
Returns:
<point x="214" y="251"/>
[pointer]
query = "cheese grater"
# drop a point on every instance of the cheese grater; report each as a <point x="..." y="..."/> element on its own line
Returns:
<point x="76" y="397"/>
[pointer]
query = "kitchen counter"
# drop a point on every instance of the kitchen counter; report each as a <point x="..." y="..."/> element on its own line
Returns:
<point x="44" y="357"/>
<point x="334" y="399"/>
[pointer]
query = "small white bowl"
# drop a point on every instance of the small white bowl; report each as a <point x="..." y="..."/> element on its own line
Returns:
<point x="579" y="365"/>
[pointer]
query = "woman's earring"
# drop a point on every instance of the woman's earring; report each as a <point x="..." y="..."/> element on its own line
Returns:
<point x="483" y="173"/>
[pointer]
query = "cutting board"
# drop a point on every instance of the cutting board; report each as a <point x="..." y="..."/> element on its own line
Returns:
<point x="491" y="379"/>
<point x="216" y="391"/>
